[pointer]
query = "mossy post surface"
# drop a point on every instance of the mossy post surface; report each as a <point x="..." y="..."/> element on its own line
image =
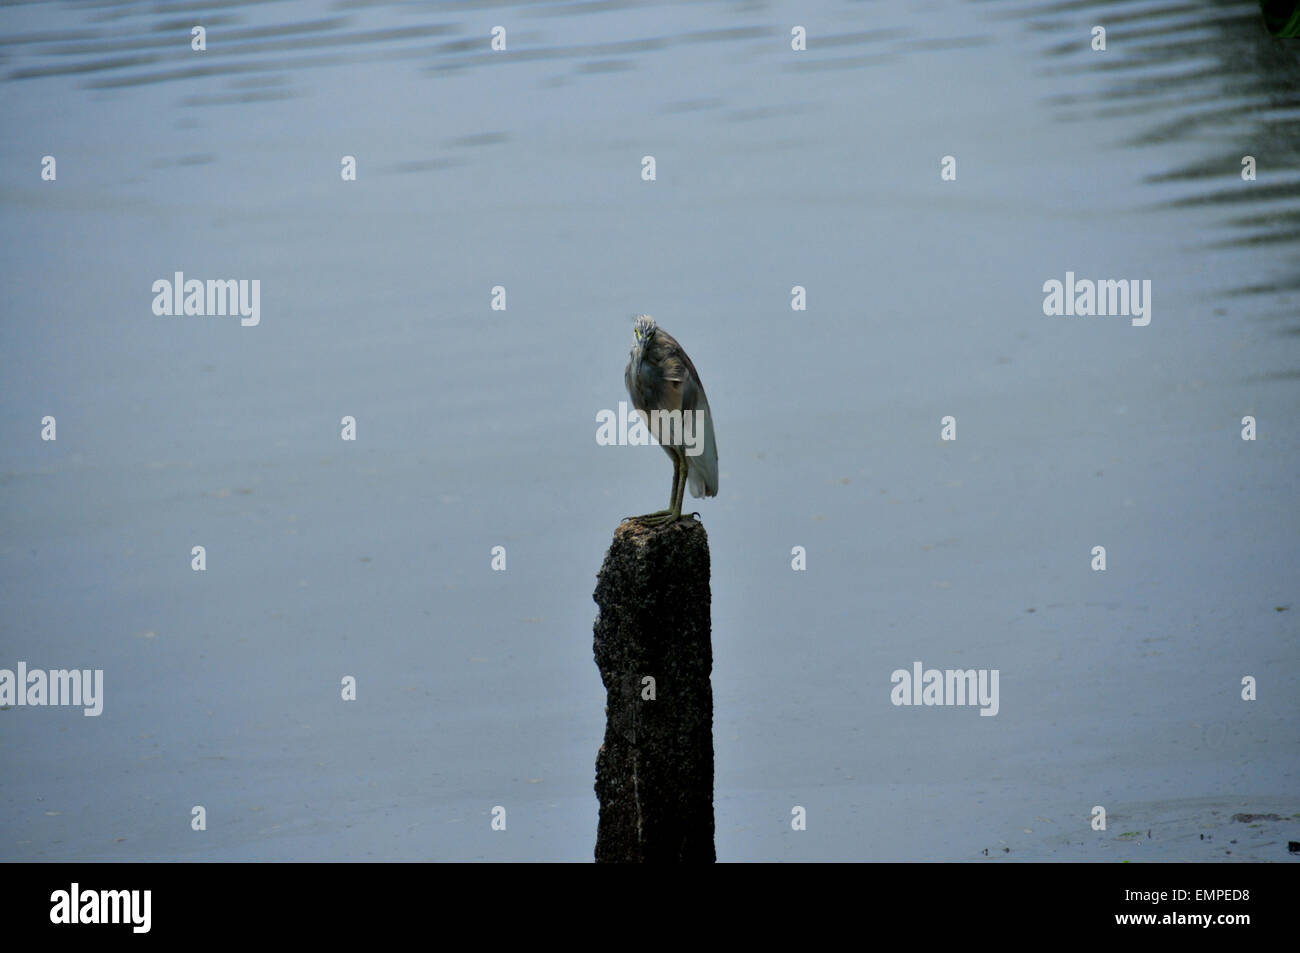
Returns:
<point x="654" y="773"/>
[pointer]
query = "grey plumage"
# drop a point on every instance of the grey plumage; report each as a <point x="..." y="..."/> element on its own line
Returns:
<point x="660" y="376"/>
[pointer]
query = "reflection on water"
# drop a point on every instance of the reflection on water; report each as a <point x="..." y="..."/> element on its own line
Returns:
<point x="1190" y="69"/>
<point x="1204" y="71"/>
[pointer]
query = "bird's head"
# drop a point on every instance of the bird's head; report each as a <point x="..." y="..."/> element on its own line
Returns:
<point x="643" y="332"/>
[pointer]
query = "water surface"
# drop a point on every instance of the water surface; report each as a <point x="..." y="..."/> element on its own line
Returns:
<point x="476" y="428"/>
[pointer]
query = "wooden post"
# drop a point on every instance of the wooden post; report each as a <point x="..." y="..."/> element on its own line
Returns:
<point x="654" y="773"/>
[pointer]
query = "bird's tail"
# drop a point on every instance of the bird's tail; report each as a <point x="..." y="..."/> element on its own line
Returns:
<point x="702" y="469"/>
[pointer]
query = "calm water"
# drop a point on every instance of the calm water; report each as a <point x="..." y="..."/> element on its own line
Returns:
<point x="476" y="427"/>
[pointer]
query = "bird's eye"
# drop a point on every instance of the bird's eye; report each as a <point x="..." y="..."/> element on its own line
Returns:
<point x="637" y="332"/>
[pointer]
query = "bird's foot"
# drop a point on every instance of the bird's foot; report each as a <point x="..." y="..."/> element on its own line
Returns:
<point x="658" y="518"/>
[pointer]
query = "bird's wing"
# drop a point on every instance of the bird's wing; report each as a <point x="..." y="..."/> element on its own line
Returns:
<point x="675" y="366"/>
<point x="701" y="469"/>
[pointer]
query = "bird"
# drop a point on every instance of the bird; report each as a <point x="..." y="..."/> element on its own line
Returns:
<point x="661" y="377"/>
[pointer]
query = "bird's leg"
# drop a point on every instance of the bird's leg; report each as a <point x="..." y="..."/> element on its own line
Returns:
<point x="679" y="489"/>
<point x="679" y="485"/>
<point x="674" y="511"/>
<point x="676" y="481"/>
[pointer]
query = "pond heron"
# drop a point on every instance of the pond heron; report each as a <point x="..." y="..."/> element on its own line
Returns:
<point x="666" y="391"/>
